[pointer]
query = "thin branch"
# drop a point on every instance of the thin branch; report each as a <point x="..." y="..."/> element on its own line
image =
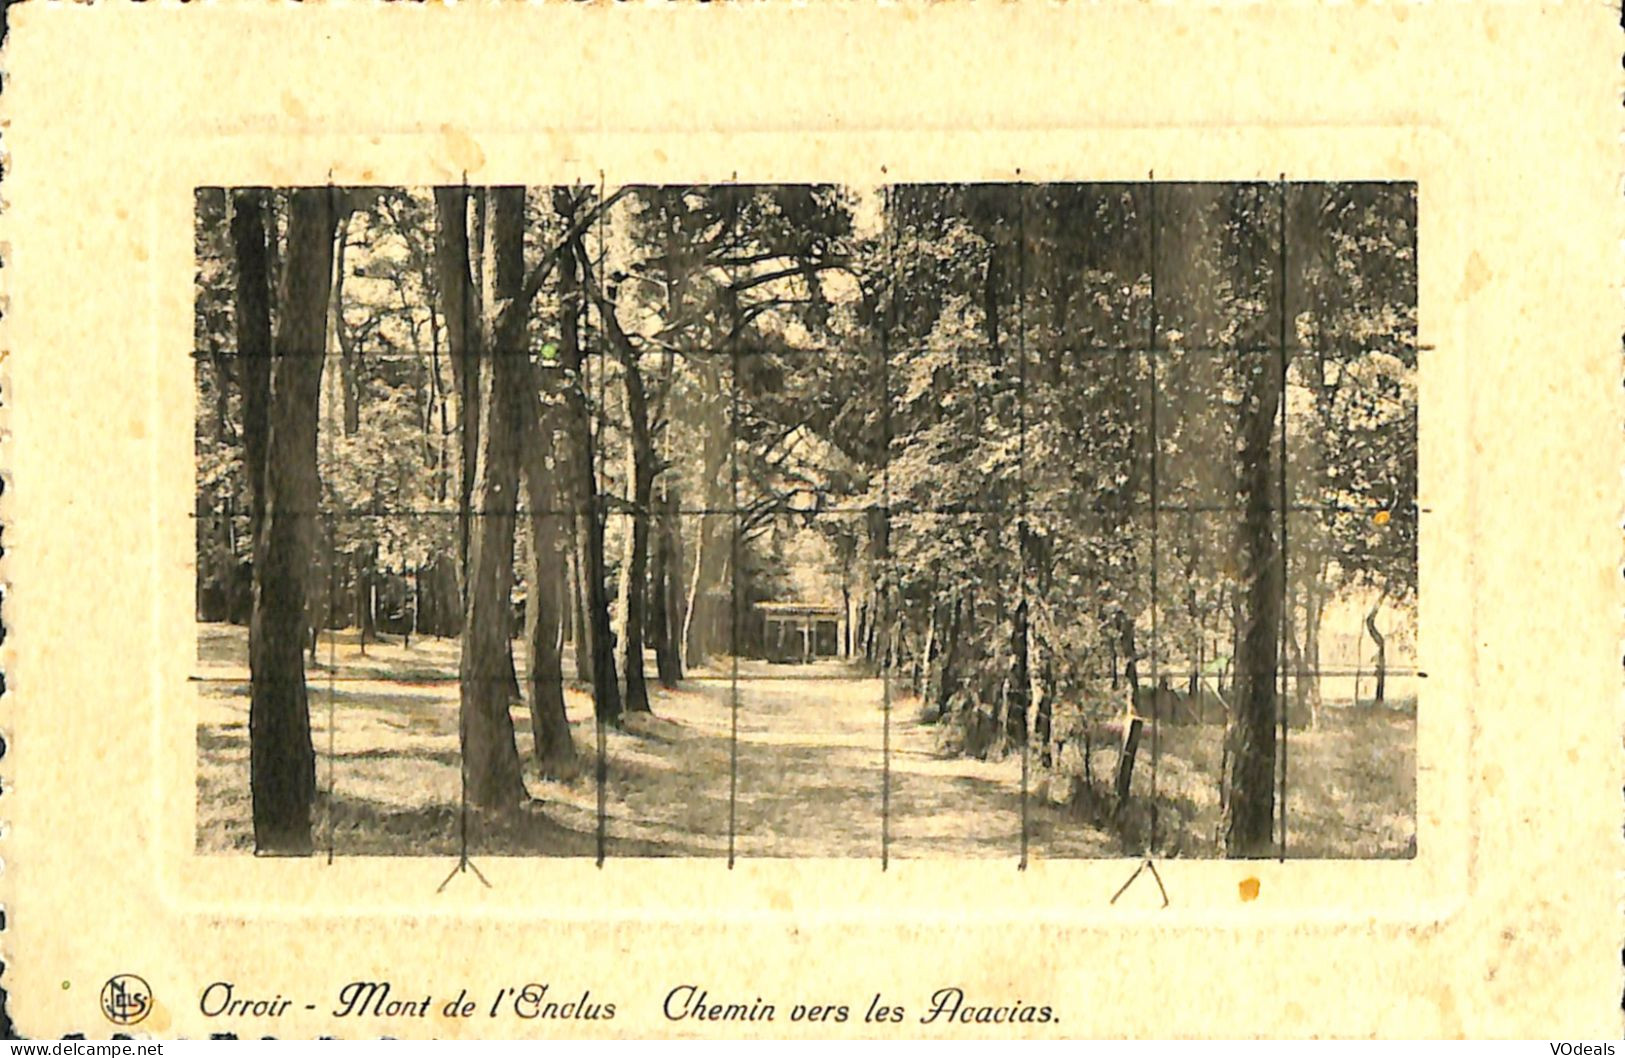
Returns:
<point x="806" y="268"/>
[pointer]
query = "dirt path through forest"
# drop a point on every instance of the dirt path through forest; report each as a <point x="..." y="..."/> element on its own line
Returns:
<point x="812" y="776"/>
<point x="807" y="776"/>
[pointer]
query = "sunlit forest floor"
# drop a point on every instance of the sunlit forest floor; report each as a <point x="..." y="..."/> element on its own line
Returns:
<point x="1351" y="789"/>
<point x="809" y="780"/>
<point x="811" y="771"/>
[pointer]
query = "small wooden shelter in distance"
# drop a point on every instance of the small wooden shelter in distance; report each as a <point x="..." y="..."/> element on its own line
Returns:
<point x="800" y="631"/>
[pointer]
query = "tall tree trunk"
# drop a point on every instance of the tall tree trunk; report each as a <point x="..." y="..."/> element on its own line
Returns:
<point x="711" y="550"/>
<point x="349" y="384"/>
<point x="366" y="628"/>
<point x="846" y="606"/>
<point x="1044" y="722"/>
<point x="349" y="355"/>
<point x="637" y="692"/>
<point x="928" y="652"/>
<point x="491" y="773"/>
<point x="666" y="602"/>
<point x="580" y="622"/>
<point x="1129" y="751"/>
<point x="1359" y="660"/>
<point x="1250" y="815"/>
<point x="589" y="505"/>
<point x="253" y="320"/>
<point x="544" y="609"/>
<point x="282" y="762"/>
<point x="600" y="639"/>
<point x="948" y="682"/>
<point x="458" y="307"/>
<point x="635" y="592"/>
<point x="1382" y="650"/>
<point x="1019" y="696"/>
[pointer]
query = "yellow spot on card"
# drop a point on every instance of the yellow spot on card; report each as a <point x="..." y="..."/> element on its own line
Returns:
<point x="1249" y="889"/>
<point x="465" y="152"/>
<point x="158" y="1020"/>
<point x="1380" y="518"/>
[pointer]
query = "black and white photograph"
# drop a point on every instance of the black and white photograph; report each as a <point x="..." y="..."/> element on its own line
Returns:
<point x="1020" y="521"/>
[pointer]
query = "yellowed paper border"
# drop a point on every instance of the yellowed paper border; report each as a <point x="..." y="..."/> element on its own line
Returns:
<point x="1506" y="921"/>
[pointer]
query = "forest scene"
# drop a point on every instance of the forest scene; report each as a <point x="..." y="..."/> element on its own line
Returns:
<point x="907" y="521"/>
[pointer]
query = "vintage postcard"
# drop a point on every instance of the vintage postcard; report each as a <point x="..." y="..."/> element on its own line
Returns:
<point x="857" y="520"/>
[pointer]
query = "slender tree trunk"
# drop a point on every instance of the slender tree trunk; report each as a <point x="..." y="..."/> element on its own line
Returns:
<point x="1044" y="722"/>
<point x="349" y="355"/>
<point x="580" y="622"/>
<point x="417" y="602"/>
<point x="950" y="661"/>
<point x="1019" y="696"/>
<point x="366" y="628"/>
<point x="1359" y="660"/>
<point x="1128" y="752"/>
<point x="1309" y="673"/>
<point x="606" y="689"/>
<point x="282" y="762"/>
<point x="846" y="606"/>
<point x="1293" y="663"/>
<point x="491" y="772"/>
<point x="928" y="653"/>
<point x="1382" y="651"/>
<point x="667" y="588"/>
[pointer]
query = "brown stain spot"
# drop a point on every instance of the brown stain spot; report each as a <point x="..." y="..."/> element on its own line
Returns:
<point x="294" y="108"/>
<point x="1476" y="276"/>
<point x="366" y="175"/>
<point x="779" y="900"/>
<point x="1445" y="998"/>
<point x="1249" y="890"/>
<point x="121" y="213"/>
<point x="1380" y="518"/>
<point x="660" y="156"/>
<point x="138" y="429"/>
<point x="139" y="251"/>
<point x="158" y="1020"/>
<point x="462" y="148"/>
<point x="1493" y="774"/>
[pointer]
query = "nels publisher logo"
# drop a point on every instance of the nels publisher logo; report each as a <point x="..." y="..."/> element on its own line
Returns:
<point x="126" y="999"/>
